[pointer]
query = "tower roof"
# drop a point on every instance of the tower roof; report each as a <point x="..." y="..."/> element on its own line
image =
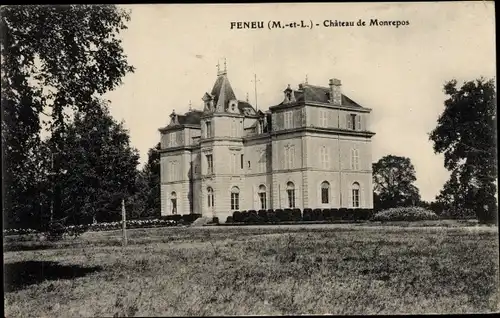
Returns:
<point x="222" y="92"/>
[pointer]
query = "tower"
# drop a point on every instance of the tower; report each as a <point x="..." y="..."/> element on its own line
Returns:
<point x="221" y="151"/>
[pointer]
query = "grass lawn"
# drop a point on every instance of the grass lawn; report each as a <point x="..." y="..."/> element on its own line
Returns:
<point x="256" y="271"/>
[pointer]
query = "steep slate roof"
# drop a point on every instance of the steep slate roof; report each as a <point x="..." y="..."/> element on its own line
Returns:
<point x="222" y="92"/>
<point x="245" y="105"/>
<point x="190" y="118"/>
<point x="312" y="93"/>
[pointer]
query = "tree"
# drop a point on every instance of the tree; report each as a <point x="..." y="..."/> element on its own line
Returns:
<point x="393" y="179"/>
<point x="54" y="58"/>
<point x="100" y="165"/>
<point x="152" y="174"/>
<point x="466" y="135"/>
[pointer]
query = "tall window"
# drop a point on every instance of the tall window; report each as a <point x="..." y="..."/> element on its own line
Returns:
<point x="261" y="126"/>
<point x="233" y="128"/>
<point x="172" y="139"/>
<point x="210" y="164"/>
<point x="355" y="195"/>
<point x="353" y="122"/>
<point x="290" y="190"/>
<point x="288" y="119"/>
<point x="323" y="121"/>
<point x="241" y="161"/>
<point x="210" y="197"/>
<point x="262" y="161"/>
<point x="209" y="129"/>
<point x="325" y="192"/>
<point x="234" y="162"/>
<point x="289" y="157"/>
<point x="262" y="197"/>
<point x="235" y="198"/>
<point x="174" y="171"/>
<point x="325" y="158"/>
<point x="354" y="159"/>
<point x="173" y="199"/>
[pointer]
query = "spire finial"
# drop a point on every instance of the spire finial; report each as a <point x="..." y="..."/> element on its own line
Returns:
<point x="218" y="67"/>
<point x="247" y="97"/>
<point x="190" y="108"/>
<point x="306" y="79"/>
<point x="225" y="66"/>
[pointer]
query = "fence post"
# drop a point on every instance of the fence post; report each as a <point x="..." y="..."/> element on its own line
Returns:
<point x="124" y="223"/>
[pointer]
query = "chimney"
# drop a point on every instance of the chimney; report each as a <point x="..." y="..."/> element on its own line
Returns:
<point x="335" y="92"/>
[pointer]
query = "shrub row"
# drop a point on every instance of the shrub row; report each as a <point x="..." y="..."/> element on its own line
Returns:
<point x="286" y="215"/>
<point x="412" y="213"/>
<point x="185" y="218"/>
<point x="107" y="226"/>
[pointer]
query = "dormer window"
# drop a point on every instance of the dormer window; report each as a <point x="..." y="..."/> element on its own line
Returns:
<point x="208" y="101"/>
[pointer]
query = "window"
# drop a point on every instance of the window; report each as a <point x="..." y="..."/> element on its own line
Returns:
<point x="196" y="168"/>
<point x="172" y="139"/>
<point x="325" y="158"/>
<point x="210" y="197"/>
<point x="210" y="164"/>
<point x="235" y="198"/>
<point x="248" y="164"/>
<point x="173" y="199"/>
<point x="241" y="161"/>
<point x="209" y="129"/>
<point x="289" y="157"/>
<point x="323" y="121"/>
<point x="174" y="171"/>
<point x="234" y="163"/>
<point x="262" y="161"/>
<point x="262" y="197"/>
<point x="353" y="122"/>
<point x="233" y="128"/>
<point x="290" y="190"/>
<point x="355" y="195"/>
<point x="288" y="119"/>
<point x="325" y="192"/>
<point x="354" y="159"/>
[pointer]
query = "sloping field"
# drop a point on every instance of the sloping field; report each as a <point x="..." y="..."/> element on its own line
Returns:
<point x="256" y="270"/>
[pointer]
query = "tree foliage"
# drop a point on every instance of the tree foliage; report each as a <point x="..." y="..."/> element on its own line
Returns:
<point x="54" y="58"/>
<point x="393" y="180"/>
<point x="100" y="168"/>
<point x="151" y="173"/>
<point x="466" y="135"/>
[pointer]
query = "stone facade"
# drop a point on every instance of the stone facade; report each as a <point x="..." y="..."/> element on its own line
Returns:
<point x="313" y="150"/>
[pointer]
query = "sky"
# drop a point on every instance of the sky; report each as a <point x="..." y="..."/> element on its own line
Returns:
<point x="397" y="72"/>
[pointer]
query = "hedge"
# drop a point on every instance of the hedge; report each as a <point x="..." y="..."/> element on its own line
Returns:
<point x="307" y="214"/>
<point x="280" y="214"/>
<point x="262" y="215"/>
<point x="237" y="217"/>
<point x="405" y="214"/>
<point x="296" y="215"/>
<point x="335" y="214"/>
